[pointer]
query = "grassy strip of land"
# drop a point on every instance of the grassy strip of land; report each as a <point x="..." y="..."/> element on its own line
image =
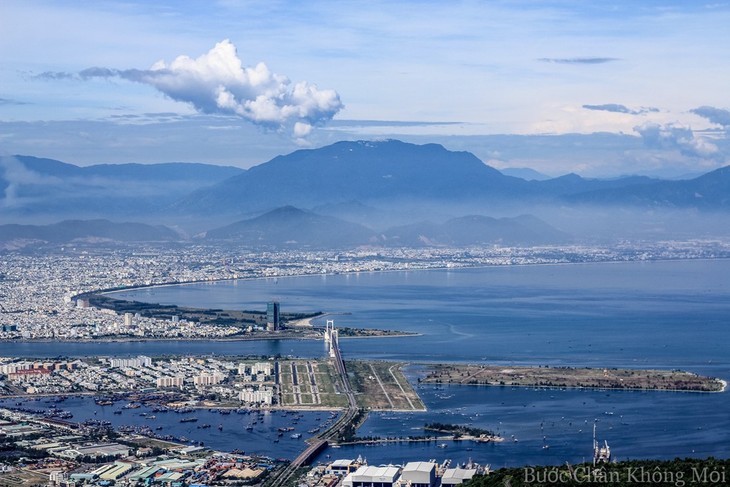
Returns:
<point x="495" y="375"/>
<point x="382" y="386"/>
<point x="347" y="332"/>
<point x="206" y="316"/>
<point x="325" y="378"/>
<point x="378" y="386"/>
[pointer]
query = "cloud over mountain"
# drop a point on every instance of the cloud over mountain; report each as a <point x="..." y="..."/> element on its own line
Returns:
<point x="218" y="83"/>
<point x="671" y="136"/>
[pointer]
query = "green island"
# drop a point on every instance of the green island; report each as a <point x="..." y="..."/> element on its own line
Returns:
<point x="571" y="377"/>
<point x="463" y="431"/>
<point x="438" y="432"/>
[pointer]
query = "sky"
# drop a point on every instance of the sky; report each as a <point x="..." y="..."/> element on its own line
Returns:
<point x="597" y="88"/>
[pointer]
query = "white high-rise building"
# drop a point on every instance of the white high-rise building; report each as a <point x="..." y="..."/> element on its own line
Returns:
<point x="141" y="361"/>
<point x="261" y="396"/>
<point x="170" y="382"/>
<point x="208" y="379"/>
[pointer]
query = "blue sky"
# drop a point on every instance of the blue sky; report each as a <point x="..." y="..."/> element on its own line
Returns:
<point x="185" y="80"/>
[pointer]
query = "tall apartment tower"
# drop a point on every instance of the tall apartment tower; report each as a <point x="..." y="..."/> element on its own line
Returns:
<point x="272" y="316"/>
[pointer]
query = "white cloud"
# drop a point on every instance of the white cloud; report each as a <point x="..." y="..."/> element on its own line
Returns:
<point x="671" y="136"/>
<point x="15" y="175"/>
<point x="218" y="83"/>
<point x="302" y="129"/>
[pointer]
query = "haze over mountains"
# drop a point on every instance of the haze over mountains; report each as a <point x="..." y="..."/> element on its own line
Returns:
<point x="47" y="190"/>
<point x="359" y="193"/>
<point x="89" y="230"/>
<point x="292" y="226"/>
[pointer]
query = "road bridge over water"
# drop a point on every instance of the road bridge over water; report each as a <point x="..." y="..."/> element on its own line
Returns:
<point x="320" y="442"/>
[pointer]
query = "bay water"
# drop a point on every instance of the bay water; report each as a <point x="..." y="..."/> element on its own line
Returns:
<point x="668" y="315"/>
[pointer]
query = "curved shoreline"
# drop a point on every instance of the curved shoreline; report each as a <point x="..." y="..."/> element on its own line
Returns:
<point x="194" y="339"/>
<point x="135" y="287"/>
<point x="440" y="268"/>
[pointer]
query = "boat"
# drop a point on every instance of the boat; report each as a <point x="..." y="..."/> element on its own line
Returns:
<point x="296" y="436"/>
<point x="443" y="445"/>
<point x="191" y="419"/>
<point x="601" y="454"/>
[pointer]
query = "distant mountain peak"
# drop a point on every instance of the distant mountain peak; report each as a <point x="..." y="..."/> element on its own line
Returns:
<point x="290" y="226"/>
<point x="285" y="210"/>
<point x="369" y="171"/>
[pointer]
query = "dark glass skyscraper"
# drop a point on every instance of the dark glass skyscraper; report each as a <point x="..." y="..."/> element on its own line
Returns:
<point x="272" y="316"/>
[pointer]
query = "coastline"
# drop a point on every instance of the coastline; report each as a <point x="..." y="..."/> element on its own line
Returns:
<point x="701" y="400"/>
<point x="425" y="269"/>
<point x="203" y="339"/>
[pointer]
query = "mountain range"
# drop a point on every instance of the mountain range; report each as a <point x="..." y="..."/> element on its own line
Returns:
<point x="363" y="171"/>
<point x="70" y="230"/>
<point x="393" y="173"/>
<point x="36" y="187"/>
<point x="290" y="226"/>
<point x="378" y="192"/>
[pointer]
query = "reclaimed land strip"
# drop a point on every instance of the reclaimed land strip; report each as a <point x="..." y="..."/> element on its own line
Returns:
<point x="297" y="391"/>
<point x="201" y="315"/>
<point x="382" y="386"/>
<point x="250" y="323"/>
<point x="573" y="377"/>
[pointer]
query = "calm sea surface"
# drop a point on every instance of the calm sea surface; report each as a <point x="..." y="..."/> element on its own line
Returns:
<point x="640" y="314"/>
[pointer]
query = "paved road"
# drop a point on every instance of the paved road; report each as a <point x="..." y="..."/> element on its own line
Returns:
<point x="320" y="441"/>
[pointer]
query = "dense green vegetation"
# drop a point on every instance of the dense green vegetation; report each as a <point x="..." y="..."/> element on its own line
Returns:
<point x="674" y="473"/>
<point x="458" y="430"/>
<point x="348" y="432"/>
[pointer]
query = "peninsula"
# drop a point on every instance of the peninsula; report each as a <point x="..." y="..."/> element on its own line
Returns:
<point x="571" y="377"/>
